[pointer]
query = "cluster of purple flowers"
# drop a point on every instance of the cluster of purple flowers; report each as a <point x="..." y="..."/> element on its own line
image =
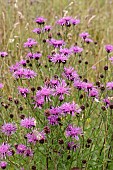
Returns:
<point x="70" y="74"/>
<point x="24" y="73"/>
<point x="46" y="28"/>
<point x="36" y="55"/>
<point x="3" y="54"/>
<point x="23" y="150"/>
<point x="30" y="43"/>
<point x="8" y="128"/>
<point x="23" y="91"/>
<point x="73" y="132"/>
<point x="68" y="21"/>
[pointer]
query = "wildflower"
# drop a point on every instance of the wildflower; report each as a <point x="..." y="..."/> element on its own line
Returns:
<point x="8" y="129"/>
<point x="1" y="85"/>
<point x="28" y="122"/>
<point x="5" y="150"/>
<point x="70" y="74"/>
<point x="76" y="49"/>
<point x="22" y="62"/>
<point x="65" y="21"/>
<point x="30" y="43"/>
<point x="24" y="73"/>
<point x="59" y="58"/>
<point x="93" y="92"/>
<point x="88" y="40"/>
<point x="69" y="108"/>
<point x="20" y="149"/>
<point x="75" y="21"/>
<point x="72" y="146"/>
<point x="39" y="101"/>
<point x="37" y="55"/>
<point x="3" y="54"/>
<point x="15" y="67"/>
<point x="3" y="164"/>
<point x="37" y="30"/>
<point x="53" y="120"/>
<point x="23" y="91"/>
<point x="73" y="132"/>
<point x="47" y="28"/>
<point x="84" y="35"/>
<point x="109" y="85"/>
<point x="35" y="136"/>
<point x="56" y="43"/>
<point x="40" y="20"/>
<point x="65" y="51"/>
<point x="61" y="89"/>
<point x="109" y="48"/>
<point x="28" y="152"/>
<point x="111" y="59"/>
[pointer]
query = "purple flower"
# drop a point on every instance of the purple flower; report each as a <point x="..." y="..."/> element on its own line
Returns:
<point x="8" y="129"/>
<point x="69" y="108"/>
<point x="56" y="43"/>
<point x="44" y="91"/>
<point x="30" y="43"/>
<point x="15" y="67"/>
<point x="47" y="28"/>
<point x="24" y="73"/>
<point x="70" y="73"/>
<point x="84" y="35"/>
<point x="37" y="30"/>
<point x="28" y="122"/>
<point x="5" y="150"/>
<point x="88" y="40"/>
<point x="28" y="152"/>
<point x="22" y="62"/>
<point x="109" y="48"/>
<point x="73" y="132"/>
<point x="53" y="120"/>
<point x="20" y="149"/>
<point x="1" y="85"/>
<point x="75" y="21"/>
<point x="61" y="89"/>
<point x="3" y="54"/>
<point x="65" y="21"/>
<point x="3" y="164"/>
<point x="23" y="91"/>
<point x="37" y="55"/>
<point x="65" y="51"/>
<point x="59" y="58"/>
<point x="109" y="85"/>
<point x="72" y="146"/>
<point x="111" y="59"/>
<point x="78" y="84"/>
<point x="76" y="49"/>
<point x="93" y="92"/>
<point x="40" y="20"/>
<point x="35" y="136"/>
<point x="39" y="101"/>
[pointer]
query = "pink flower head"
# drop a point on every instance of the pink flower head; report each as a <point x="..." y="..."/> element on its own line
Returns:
<point x="3" y="164"/>
<point x="1" y="85"/>
<point x="37" y="30"/>
<point x="8" y="129"/>
<point x="5" y="150"/>
<point x="23" y="91"/>
<point x="73" y="132"/>
<point x="47" y="28"/>
<point x="59" y="58"/>
<point x="109" y="48"/>
<point x="3" y="54"/>
<point x="84" y="35"/>
<point x="75" y="21"/>
<point x="56" y="43"/>
<point x="110" y="85"/>
<point x="40" y="20"/>
<point x="76" y="49"/>
<point x="28" y="122"/>
<point x="30" y="43"/>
